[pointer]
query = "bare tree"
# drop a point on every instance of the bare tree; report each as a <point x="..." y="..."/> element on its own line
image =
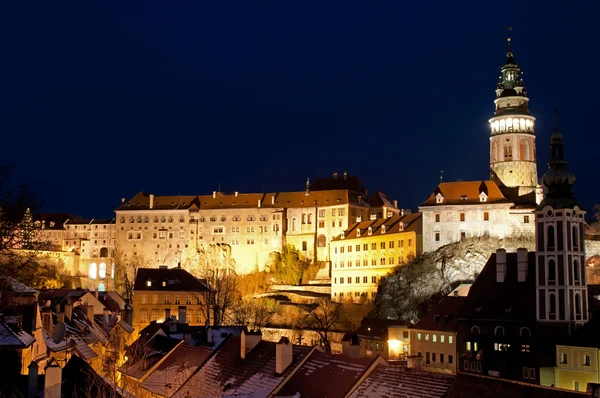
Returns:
<point x="321" y="317"/>
<point x="125" y="271"/>
<point x="216" y="266"/>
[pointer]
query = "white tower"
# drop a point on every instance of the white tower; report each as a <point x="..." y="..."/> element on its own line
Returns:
<point x="512" y="140"/>
<point x="560" y="249"/>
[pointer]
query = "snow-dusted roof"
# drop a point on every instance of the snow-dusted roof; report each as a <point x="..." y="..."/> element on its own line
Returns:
<point x="12" y="285"/>
<point x="11" y="339"/>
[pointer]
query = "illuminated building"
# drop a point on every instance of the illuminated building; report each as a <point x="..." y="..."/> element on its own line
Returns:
<point x="387" y="338"/>
<point x="173" y="229"/>
<point x="368" y="250"/>
<point x="162" y="293"/>
<point x="501" y="206"/>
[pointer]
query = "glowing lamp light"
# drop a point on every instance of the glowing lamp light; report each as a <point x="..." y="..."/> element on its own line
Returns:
<point x="395" y="346"/>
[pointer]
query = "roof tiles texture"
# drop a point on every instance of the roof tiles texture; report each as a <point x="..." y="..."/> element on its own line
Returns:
<point x="175" y="369"/>
<point x="227" y="374"/>
<point x="394" y="381"/>
<point x="395" y="224"/>
<point x="466" y="192"/>
<point x="326" y="375"/>
<point x="176" y="279"/>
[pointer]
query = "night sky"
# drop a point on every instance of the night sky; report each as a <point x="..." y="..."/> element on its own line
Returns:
<point x="100" y="100"/>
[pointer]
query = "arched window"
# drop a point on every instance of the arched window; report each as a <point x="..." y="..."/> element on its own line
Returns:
<point x="551" y="270"/>
<point x="101" y="287"/>
<point x="575" y="231"/>
<point x="92" y="271"/>
<point x="475" y="330"/>
<point x="552" y="299"/>
<point x="102" y="271"/>
<point x="577" y="304"/>
<point x="516" y="124"/>
<point x="294" y="224"/>
<point x="509" y="125"/>
<point x="522" y="124"/>
<point x="103" y="252"/>
<point x="508" y="151"/>
<point x="525" y="332"/>
<point x="494" y="150"/>
<point x="112" y="271"/>
<point x="550" y="238"/>
<point x="502" y="125"/>
<point x="321" y="241"/>
<point x="499" y="331"/>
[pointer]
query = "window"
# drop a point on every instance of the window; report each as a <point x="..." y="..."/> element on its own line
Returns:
<point x="154" y="316"/>
<point x="365" y="246"/>
<point x="551" y="271"/>
<point x="155" y="299"/>
<point x="341" y="212"/>
<point x="586" y="360"/>
<point x="349" y="279"/>
<point x="434" y="338"/>
<point x="550" y="241"/>
<point x="382" y="245"/>
<point x="391" y="245"/>
<point x="564" y="358"/>
<point x="525" y="348"/>
<point x="529" y="373"/>
<point x="349" y="248"/>
<point x="575" y="385"/>
<point x="357" y="279"/>
<point x="426" y="336"/>
<point x="419" y="336"/>
<point x="499" y="331"/>
<point x="144" y="299"/>
<point x="576" y="271"/>
<point x="501" y="347"/>
<point x="409" y="242"/>
<point x="468" y="346"/>
<point x="437" y="217"/>
<point x="365" y="262"/>
<point x="188" y="299"/>
<point x="365" y="279"/>
<point x="466" y="365"/>
<point x="382" y="261"/>
<point x="437" y="236"/>
<point x="575" y="231"/>
<point x="433" y="356"/>
<point x="373" y="246"/>
<point x="373" y="279"/>
<point x="321" y="213"/>
<point x="177" y="299"/>
<point x="249" y="241"/>
<point x="526" y="219"/>
<point x="148" y="282"/>
<point x="167" y="299"/>
<point x="144" y="317"/>
<point x="462" y="216"/>
<point x="373" y="261"/>
<point x="463" y="235"/>
<point x="450" y="359"/>
<point x="486" y="216"/>
<point x="218" y="230"/>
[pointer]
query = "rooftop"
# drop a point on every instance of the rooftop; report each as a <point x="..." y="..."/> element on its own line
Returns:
<point x="443" y="316"/>
<point x="167" y="279"/>
<point x="395" y="224"/>
<point x="466" y="192"/>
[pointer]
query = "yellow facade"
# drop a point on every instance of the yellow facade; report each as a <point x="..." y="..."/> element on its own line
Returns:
<point x="436" y="348"/>
<point x="368" y="251"/>
<point x="575" y="367"/>
<point x="155" y="305"/>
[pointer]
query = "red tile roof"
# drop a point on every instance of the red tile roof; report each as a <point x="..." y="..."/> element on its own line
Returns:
<point x="392" y="381"/>
<point x="468" y="386"/>
<point x="326" y="375"/>
<point x="443" y="316"/>
<point x="395" y="224"/>
<point x="466" y="192"/>
<point x="176" y="279"/>
<point x="176" y="367"/>
<point x="226" y="373"/>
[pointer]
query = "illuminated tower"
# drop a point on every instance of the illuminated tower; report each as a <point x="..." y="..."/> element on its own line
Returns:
<point x="512" y="140"/>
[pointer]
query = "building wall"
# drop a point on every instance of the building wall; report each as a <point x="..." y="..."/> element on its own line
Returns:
<point x="151" y="305"/>
<point x="575" y="372"/>
<point x="422" y="343"/>
<point x="345" y="258"/>
<point x="450" y="227"/>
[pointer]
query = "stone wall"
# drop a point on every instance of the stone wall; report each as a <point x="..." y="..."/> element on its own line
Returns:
<point x="309" y="337"/>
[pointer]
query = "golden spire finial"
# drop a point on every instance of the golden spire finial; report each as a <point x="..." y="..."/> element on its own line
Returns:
<point x="508" y="38"/>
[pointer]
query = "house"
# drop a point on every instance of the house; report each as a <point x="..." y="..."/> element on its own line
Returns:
<point x="162" y="292"/>
<point x="387" y="338"/>
<point x="434" y="336"/>
<point x="246" y="366"/>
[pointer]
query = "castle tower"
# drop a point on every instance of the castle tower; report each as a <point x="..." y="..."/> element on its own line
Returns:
<point x="512" y="140"/>
<point x="560" y="250"/>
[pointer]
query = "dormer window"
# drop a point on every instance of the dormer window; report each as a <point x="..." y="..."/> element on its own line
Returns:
<point x="358" y="232"/>
<point x="149" y="283"/>
<point x="383" y="229"/>
<point x="483" y="197"/>
<point x="343" y="235"/>
<point x="370" y="231"/>
<point x="439" y="198"/>
<point x="463" y="197"/>
<point x="164" y="283"/>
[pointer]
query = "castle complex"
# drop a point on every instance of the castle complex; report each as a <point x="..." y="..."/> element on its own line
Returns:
<point x="503" y="205"/>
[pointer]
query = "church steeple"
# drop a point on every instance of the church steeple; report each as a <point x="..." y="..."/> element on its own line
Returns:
<point x="560" y="245"/>
<point x="512" y="140"/>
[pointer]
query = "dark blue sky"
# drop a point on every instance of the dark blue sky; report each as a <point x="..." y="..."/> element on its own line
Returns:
<point x="100" y="100"/>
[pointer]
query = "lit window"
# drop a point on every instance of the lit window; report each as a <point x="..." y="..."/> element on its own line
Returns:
<point x="148" y="283"/>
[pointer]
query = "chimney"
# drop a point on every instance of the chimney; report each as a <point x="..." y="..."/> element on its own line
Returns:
<point x="373" y="216"/>
<point x="249" y="340"/>
<point x="335" y="175"/>
<point x="167" y="314"/>
<point x="500" y="265"/>
<point x="90" y="313"/>
<point x="151" y="201"/>
<point x="214" y="194"/>
<point x="53" y="380"/>
<point x="273" y="199"/>
<point x="47" y="323"/>
<point x="182" y="314"/>
<point x="358" y="218"/>
<point x="594" y="390"/>
<point x="69" y="311"/>
<point x="172" y="324"/>
<point x="307" y="192"/>
<point x="345" y="175"/>
<point x="32" y="380"/>
<point x="522" y="264"/>
<point x="122" y="201"/>
<point x="236" y="194"/>
<point x="384" y="212"/>
<point x="395" y="203"/>
<point x="283" y="355"/>
<point x="106" y="318"/>
<point x="259" y="202"/>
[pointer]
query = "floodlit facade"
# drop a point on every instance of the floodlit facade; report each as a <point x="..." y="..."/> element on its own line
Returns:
<point x="172" y="230"/>
<point x="368" y="250"/>
<point x="501" y="206"/>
